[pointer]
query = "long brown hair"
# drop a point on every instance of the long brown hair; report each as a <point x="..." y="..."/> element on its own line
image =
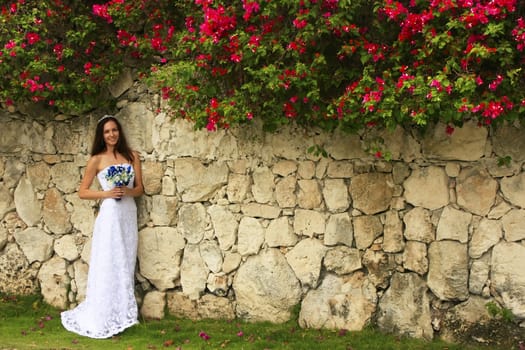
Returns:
<point x="99" y="145"/>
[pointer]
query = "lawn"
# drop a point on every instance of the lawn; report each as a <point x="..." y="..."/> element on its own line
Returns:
<point x="28" y="323"/>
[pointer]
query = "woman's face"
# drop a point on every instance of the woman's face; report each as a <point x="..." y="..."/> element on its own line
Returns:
<point x="111" y="133"/>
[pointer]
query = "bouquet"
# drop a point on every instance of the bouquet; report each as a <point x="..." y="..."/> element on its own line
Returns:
<point x="119" y="175"/>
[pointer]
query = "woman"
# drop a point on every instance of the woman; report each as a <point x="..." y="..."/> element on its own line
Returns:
<point x="110" y="305"/>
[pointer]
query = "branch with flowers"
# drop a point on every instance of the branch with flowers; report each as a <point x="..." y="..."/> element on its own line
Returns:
<point x="323" y="63"/>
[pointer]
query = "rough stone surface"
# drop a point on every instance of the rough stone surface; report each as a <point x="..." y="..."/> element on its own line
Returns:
<point x="404" y="308"/>
<point x="266" y="288"/>
<point x="508" y="278"/>
<point x="240" y="223"/>
<point x="339" y="303"/>
<point x="448" y="270"/>
<point x="435" y="182"/>
<point x="371" y="193"/>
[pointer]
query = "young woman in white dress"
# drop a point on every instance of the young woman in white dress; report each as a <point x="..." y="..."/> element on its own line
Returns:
<point x="110" y="305"/>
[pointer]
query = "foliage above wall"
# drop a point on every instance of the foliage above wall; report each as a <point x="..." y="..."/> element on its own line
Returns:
<point x="352" y="64"/>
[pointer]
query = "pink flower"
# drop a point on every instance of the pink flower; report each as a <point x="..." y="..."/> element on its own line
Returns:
<point x="102" y="11"/>
<point x="240" y="333"/>
<point x="204" y="336"/>
<point x="87" y="68"/>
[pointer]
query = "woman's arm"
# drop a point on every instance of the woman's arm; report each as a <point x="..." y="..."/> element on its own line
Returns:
<point x="85" y="192"/>
<point x="138" y="187"/>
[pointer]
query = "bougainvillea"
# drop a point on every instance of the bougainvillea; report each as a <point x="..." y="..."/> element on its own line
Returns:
<point x="328" y="63"/>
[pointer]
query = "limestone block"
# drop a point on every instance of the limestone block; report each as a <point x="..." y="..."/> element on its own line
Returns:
<point x="3" y="237"/>
<point x="513" y="189"/>
<point x="39" y="175"/>
<point x="476" y="190"/>
<point x="508" y="141"/>
<point x="466" y="143"/>
<point x="218" y="284"/>
<point x="231" y="262"/>
<point x="343" y="169"/>
<point x="339" y="229"/>
<point x="80" y="276"/>
<point x="257" y="210"/>
<point x="164" y="210"/>
<point x="35" y="243"/>
<point x="401" y="144"/>
<point x="371" y="192"/>
<point x="435" y="182"/>
<point x="66" y="176"/>
<point x="418" y="225"/>
<point x="27" y="205"/>
<point x="137" y="121"/>
<point x="83" y="215"/>
<point x="211" y="254"/>
<point x="308" y="222"/>
<point x="454" y="225"/>
<point x="284" y="168"/>
<point x="448" y="270"/>
<point x="366" y="229"/>
<point x="309" y="194"/>
<point x="197" y="182"/>
<point x="415" y="257"/>
<point x="225" y="226"/>
<point x="341" y="145"/>
<point x="7" y="203"/>
<point x="263" y="185"/>
<point x="250" y="236"/>
<point x="67" y="137"/>
<point x="180" y="305"/>
<point x="56" y="216"/>
<point x="342" y="260"/>
<point x="214" y="307"/>
<point x="479" y="274"/>
<point x="192" y="221"/>
<point x="335" y="194"/>
<point x="279" y="233"/>
<point x="306" y="261"/>
<point x="484" y="237"/>
<point x="54" y="282"/>
<point x="66" y="247"/>
<point x="153" y="305"/>
<point x="285" y="192"/>
<point x="284" y="144"/>
<point x="380" y="267"/>
<point x="393" y="241"/>
<point x="152" y="174"/>
<point x="339" y="303"/>
<point x="266" y="288"/>
<point x="169" y="188"/>
<point x="513" y="225"/>
<point x="14" y="169"/>
<point x="159" y="254"/>
<point x="306" y="170"/>
<point x="405" y="307"/>
<point x="193" y="272"/>
<point x="508" y="276"/>
<point x="16" y="277"/>
<point x="238" y="187"/>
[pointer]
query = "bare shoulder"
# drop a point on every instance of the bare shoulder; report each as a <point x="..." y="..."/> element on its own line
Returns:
<point x="94" y="162"/>
<point x="136" y="156"/>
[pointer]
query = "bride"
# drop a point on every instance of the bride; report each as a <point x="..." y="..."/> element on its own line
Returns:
<point x="110" y="305"/>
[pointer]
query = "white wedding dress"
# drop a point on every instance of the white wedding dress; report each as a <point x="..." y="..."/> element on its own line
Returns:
<point x="110" y="305"/>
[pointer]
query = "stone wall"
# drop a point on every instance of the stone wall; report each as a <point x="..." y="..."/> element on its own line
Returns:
<point x="245" y="224"/>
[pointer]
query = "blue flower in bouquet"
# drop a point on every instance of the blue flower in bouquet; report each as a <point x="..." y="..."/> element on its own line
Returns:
<point x="119" y="175"/>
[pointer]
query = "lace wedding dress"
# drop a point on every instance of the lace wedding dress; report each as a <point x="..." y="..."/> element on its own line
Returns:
<point x="110" y="305"/>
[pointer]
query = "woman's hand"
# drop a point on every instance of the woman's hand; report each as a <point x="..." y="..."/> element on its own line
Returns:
<point x="117" y="192"/>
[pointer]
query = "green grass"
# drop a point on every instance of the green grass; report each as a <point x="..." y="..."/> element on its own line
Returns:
<point x="28" y="323"/>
